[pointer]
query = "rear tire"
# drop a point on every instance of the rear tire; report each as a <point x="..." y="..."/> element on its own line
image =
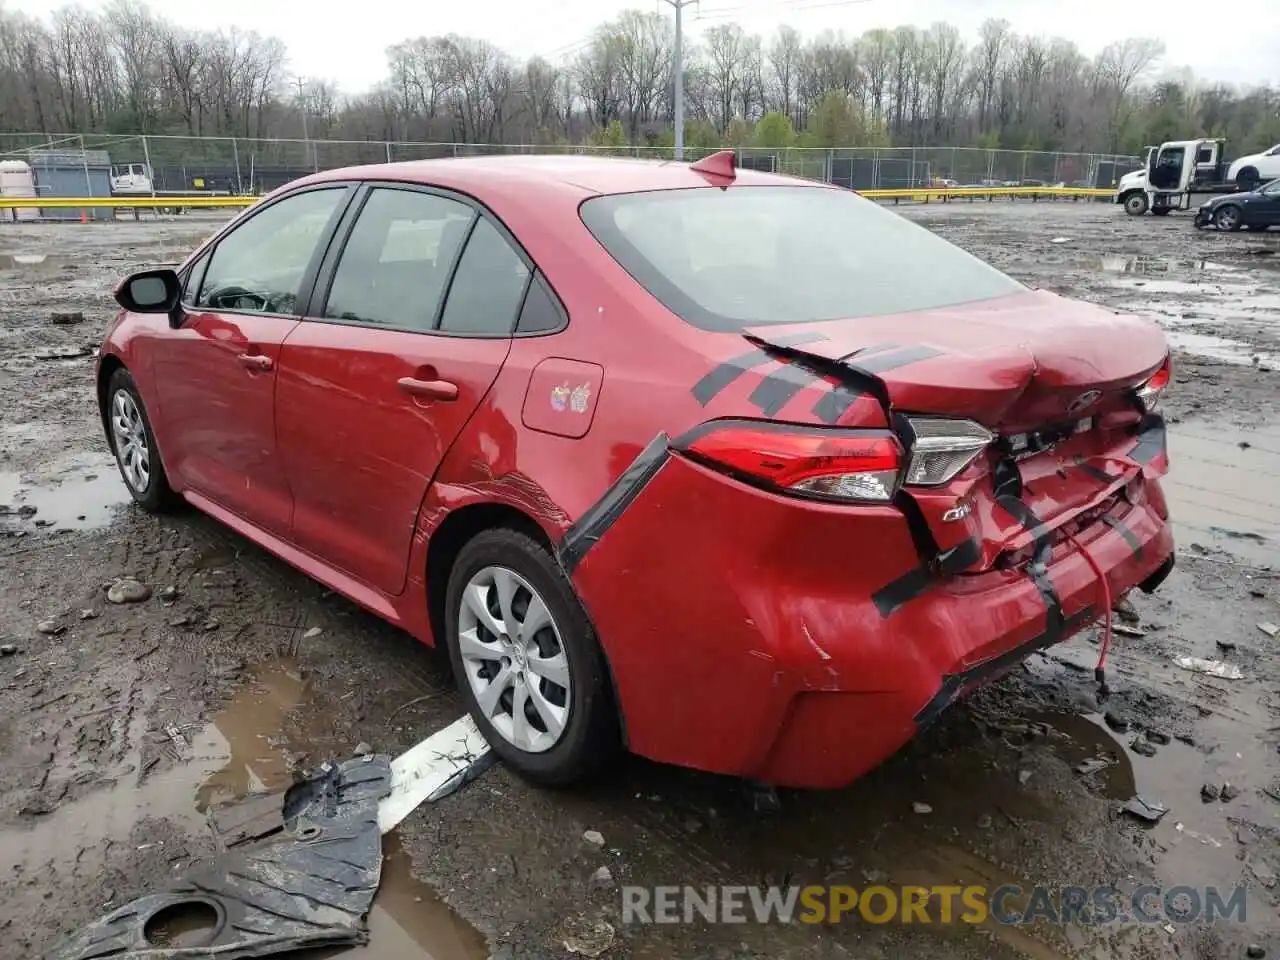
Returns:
<point x="1248" y="179"/>
<point x="1135" y="204"/>
<point x="134" y="444"/>
<point x="568" y="727"/>
<point x="1228" y="217"/>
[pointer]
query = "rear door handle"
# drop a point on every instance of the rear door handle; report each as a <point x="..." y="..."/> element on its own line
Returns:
<point x="256" y="361"/>
<point x="429" y="389"/>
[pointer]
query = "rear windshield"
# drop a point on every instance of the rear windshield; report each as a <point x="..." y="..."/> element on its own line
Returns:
<point x="728" y="259"/>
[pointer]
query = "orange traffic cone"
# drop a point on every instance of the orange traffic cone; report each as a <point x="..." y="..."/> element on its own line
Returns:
<point x="84" y="216"/>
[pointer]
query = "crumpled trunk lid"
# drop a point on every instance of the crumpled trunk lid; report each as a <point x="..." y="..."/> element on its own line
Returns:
<point x="1011" y="364"/>
<point x="1051" y="378"/>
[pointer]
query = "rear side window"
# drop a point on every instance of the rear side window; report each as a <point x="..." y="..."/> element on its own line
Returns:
<point x="488" y="287"/>
<point x="396" y="262"/>
<point x="541" y="311"/>
<point x="258" y="267"/>
<point x="728" y="259"/>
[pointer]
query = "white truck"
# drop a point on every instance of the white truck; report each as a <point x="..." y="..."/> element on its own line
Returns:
<point x="1178" y="175"/>
<point x="132" y="180"/>
<point x="1256" y="168"/>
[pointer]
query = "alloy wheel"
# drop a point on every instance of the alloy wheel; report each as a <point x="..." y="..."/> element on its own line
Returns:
<point x="514" y="659"/>
<point x="130" y="435"/>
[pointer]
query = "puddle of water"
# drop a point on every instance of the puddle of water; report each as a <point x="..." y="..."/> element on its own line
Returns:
<point x="1197" y="839"/>
<point x="1149" y="265"/>
<point x="84" y="493"/>
<point x="16" y="261"/>
<point x="1084" y="741"/>
<point x="1220" y="348"/>
<point x="408" y="921"/>
<point x="225" y="758"/>
<point x="236" y="754"/>
<point x="1222" y="495"/>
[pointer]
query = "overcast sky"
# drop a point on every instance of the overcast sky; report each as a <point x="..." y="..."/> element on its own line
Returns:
<point x="346" y="41"/>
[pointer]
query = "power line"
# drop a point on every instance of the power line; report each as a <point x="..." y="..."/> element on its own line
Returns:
<point x="789" y="6"/>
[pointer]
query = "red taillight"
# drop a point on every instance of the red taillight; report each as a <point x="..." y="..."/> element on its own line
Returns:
<point x="859" y="465"/>
<point x="1149" y="392"/>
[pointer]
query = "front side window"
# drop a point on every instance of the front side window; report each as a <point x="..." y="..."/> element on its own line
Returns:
<point x="725" y="260"/>
<point x="192" y="285"/>
<point x="259" y="266"/>
<point x="396" y="263"/>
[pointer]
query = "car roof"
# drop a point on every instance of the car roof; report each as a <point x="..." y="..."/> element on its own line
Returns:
<point x="576" y="175"/>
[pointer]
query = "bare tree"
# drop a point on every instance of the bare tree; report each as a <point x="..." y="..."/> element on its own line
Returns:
<point x="877" y="61"/>
<point x="995" y="39"/>
<point x="785" y="56"/>
<point x="125" y="69"/>
<point x="726" y="48"/>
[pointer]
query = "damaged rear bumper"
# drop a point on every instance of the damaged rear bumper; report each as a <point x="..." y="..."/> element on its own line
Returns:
<point x="755" y="620"/>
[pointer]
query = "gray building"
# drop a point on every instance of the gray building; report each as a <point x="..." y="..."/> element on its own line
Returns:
<point x="72" y="173"/>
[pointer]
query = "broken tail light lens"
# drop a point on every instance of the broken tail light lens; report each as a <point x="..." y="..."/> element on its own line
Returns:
<point x="942" y="448"/>
<point x="863" y="466"/>
<point x="1148" y="393"/>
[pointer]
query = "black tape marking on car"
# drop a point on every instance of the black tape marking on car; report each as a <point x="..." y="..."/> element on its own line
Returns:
<point x="774" y="391"/>
<point x="1008" y="485"/>
<point x="1097" y="473"/>
<point x="1152" y="440"/>
<point x="954" y="684"/>
<point x="849" y="376"/>
<point x="601" y="515"/>
<point x="719" y="377"/>
<point x="836" y="403"/>
<point x="1129" y="537"/>
<point x="924" y="578"/>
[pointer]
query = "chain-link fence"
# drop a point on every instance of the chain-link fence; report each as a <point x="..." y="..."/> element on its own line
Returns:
<point x="241" y="165"/>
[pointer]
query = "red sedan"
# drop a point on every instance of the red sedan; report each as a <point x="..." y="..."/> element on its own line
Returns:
<point x="739" y="472"/>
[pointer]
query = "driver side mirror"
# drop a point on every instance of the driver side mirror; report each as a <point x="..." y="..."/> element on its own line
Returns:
<point x="150" y="291"/>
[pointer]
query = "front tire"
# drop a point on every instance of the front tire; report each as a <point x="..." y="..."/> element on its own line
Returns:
<point x="1228" y="217"/>
<point x="1135" y="204"/>
<point x="134" y="444"/>
<point x="527" y="661"/>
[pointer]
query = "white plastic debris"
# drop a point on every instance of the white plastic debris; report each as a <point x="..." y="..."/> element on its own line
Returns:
<point x="422" y="770"/>
<point x="1270" y="629"/>
<point x="1213" y="668"/>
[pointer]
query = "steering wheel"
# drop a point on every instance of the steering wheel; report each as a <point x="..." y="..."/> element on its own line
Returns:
<point x="233" y="297"/>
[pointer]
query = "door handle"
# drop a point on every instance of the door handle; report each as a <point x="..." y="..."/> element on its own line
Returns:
<point x="256" y="361"/>
<point x="429" y="389"/>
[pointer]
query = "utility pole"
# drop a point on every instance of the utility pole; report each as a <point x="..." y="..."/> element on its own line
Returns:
<point x="302" y="108"/>
<point x="678" y="69"/>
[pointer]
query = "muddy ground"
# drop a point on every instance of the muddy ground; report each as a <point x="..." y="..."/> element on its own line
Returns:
<point x="120" y="725"/>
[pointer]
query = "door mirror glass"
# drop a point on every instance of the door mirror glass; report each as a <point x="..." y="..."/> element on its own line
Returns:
<point x="151" y="291"/>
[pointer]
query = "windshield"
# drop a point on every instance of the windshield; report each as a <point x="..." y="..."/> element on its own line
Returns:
<point x="728" y="259"/>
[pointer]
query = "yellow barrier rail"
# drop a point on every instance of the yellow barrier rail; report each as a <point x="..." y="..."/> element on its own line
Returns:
<point x="948" y="193"/>
<point x="123" y="203"/>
